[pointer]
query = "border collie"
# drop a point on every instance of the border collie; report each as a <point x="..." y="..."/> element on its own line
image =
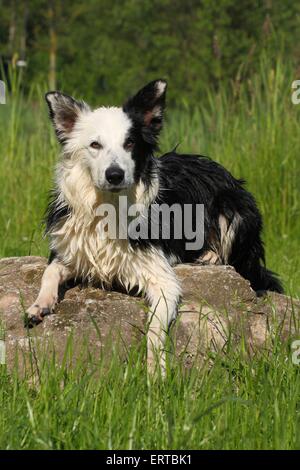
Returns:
<point x="109" y="152"/>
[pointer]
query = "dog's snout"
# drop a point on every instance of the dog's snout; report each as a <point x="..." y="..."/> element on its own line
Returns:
<point x="114" y="175"/>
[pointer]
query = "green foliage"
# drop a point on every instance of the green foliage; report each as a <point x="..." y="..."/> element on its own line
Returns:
<point x="106" y="49"/>
<point x="230" y="402"/>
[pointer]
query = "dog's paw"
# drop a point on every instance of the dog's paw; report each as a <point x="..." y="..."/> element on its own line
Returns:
<point x="209" y="258"/>
<point x="156" y="364"/>
<point x="35" y="314"/>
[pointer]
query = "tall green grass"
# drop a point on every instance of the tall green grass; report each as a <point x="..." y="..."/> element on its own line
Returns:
<point x="252" y="129"/>
<point x="234" y="404"/>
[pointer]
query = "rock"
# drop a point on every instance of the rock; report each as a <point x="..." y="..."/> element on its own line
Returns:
<point x="217" y="304"/>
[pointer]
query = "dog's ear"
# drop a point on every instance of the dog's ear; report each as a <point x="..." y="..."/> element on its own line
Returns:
<point x="64" y="111"/>
<point x="148" y="105"/>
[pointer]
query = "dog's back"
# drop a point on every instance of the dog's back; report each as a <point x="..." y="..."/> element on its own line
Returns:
<point x="232" y="221"/>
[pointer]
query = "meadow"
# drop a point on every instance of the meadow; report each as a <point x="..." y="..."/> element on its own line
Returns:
<point x="253" y="130"/>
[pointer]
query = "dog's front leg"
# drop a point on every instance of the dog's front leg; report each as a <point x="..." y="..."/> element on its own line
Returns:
<point x="55" y="274"/>
<point x="163" y="293"/>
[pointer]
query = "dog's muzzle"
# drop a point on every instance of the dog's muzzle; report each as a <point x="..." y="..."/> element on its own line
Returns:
<point x="114" y="175"/>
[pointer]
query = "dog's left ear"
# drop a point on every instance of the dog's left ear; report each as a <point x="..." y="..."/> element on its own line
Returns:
<point x="148" y="105"/>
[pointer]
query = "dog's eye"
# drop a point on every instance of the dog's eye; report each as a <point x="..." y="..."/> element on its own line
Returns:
<point x="129" y="144"/>
<point x="96" y="145"/>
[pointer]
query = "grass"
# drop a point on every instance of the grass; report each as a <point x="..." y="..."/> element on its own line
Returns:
<point x="236" y="404"/>
<point x="253" y="130"/>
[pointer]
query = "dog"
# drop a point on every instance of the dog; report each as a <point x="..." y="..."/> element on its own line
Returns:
<point x="108" y="153"/>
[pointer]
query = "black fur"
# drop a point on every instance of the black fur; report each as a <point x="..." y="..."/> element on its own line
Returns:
<point x="191" y="179"/>
<point x="188" y="179"/>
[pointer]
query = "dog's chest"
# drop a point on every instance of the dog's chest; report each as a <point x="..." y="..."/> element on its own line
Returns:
<point x="87" y="249"/>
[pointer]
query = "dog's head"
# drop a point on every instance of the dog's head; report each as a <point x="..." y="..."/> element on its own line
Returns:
<point x="114" y="143"/>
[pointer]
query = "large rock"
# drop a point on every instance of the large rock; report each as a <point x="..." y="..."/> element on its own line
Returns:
<point x="218" y="308"/>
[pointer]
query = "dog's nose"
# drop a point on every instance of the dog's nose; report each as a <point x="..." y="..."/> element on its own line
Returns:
<point x="114" y="174"/>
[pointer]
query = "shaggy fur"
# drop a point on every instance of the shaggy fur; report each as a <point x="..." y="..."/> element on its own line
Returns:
<point x="110" y="152"/>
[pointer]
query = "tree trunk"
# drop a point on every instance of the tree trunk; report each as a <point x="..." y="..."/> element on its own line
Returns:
<point x="12" y="31"/>
<point x="23" y="38"/>
<point x="53" y="45"/>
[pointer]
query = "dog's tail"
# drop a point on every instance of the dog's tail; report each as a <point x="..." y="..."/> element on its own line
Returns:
<point x="262" y="279"/>
<point x="268" y="280"/>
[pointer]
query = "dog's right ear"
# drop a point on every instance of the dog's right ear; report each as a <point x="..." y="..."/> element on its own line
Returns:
<point x="64" y="112"/>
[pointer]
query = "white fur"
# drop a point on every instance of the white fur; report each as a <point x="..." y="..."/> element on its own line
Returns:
<point x="86" y="254"/>
<point x="76" y="239"/>
<point x="161" y="87"/>
<point x="228" y="233"/>
<point x="109" y="127"/>
<point x="81" y="251"/>
<point x="54" y="275"/>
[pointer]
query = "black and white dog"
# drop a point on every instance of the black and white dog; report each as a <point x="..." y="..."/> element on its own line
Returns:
<point x="109" y="152"/>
